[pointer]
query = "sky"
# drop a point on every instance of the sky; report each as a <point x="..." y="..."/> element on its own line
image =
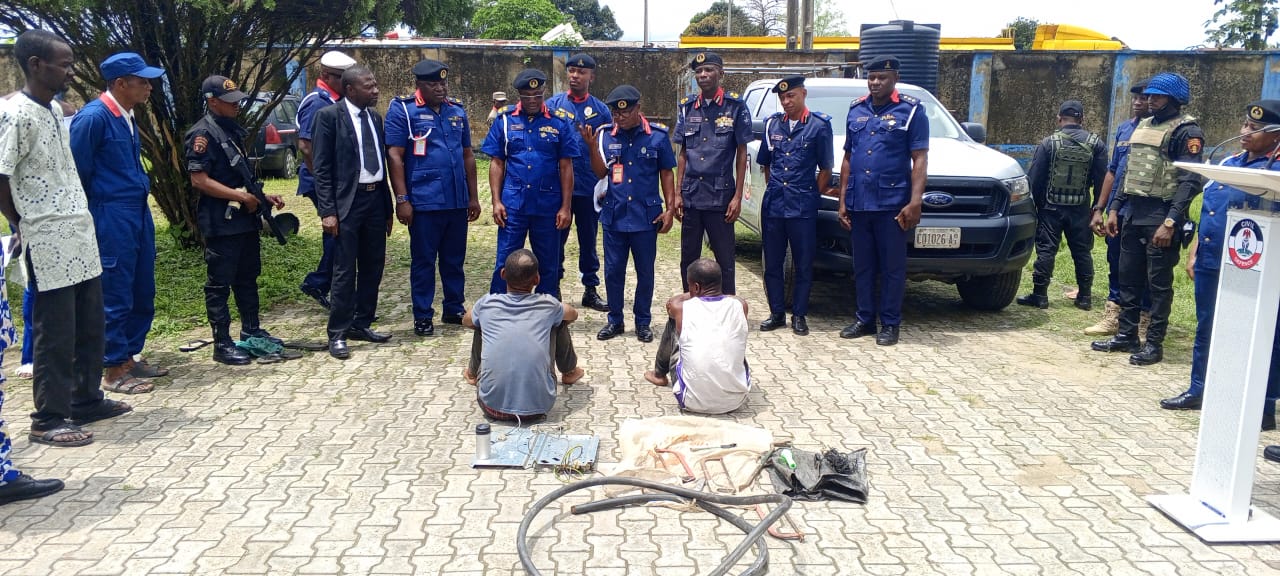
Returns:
<point x="1158" y="25"/>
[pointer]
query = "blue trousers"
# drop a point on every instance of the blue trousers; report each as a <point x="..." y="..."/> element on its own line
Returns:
<point x="802" y="235"/>
<point x="1113" y="275"/>
<point x="437" y="235"/>
<point x="127" y="244"/>
<point x="879" y="248"/>
<point x="544" y="239"/>
<point x="322" y="277"/>
<point x="1206" y="286"/>
<point x="643" y="247"/>
<point x="587" y="221"/>
<point x="28" y="329"/>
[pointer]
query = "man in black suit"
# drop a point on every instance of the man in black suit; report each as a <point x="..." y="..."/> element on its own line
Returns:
<point x="355" y="206"/>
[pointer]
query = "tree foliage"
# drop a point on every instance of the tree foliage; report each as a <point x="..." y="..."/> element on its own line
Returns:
<point x="712" y="22"/>
<point x="1024" y="32"/>
<point x="1246" y="24"/>
<point x="828" y="19"/>
<point x="250" y="41"/>
<point x="770" y="16"/>
<point x="591" y="20"/>
<point x="515" y="19"/>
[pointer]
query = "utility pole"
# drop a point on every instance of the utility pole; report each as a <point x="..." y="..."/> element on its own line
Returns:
<point x="728" y="20"/>
<point x="806" y="25"/>
<point x="792" y="24"/>
<point x="646" y="23"/>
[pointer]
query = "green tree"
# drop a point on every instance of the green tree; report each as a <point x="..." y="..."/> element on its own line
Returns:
<point x="1024" y="32"/>
<point x="1246" y="24"/>
<point x="592" y="21"/>
<point x="516" y="19"/>
<point x="828" y="19"/>
<point x="250" y="41"/>
<point x="712" y="22"/>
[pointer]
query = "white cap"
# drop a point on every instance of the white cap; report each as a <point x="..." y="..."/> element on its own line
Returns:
<point x="337" y="60"/>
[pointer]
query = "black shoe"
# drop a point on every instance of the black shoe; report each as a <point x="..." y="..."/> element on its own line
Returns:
<point x="1148" y="355"/>
<point x="773" y="322"/>
<point x="1183" y="401"/>
<point x="226" y="352"/>
<point x="423" y="327"/>
<point x="858" y="329"/>
<point x="591" y="299"/>
<point x="319" y="296"/>
<point x="27" y="488"/>
<point x="367" y="334"/>
<point x="247" y="333"/>
<point x="888" y="336"/>
<point x="610" y="331"/>
<point x="799" y="326"/>
<point x="1040" y="301"/>
<point x="338" y="349"/>
<point x="1271" y="453"/>
<point x="1084" y="301"/>
<point x="1268" y="421"/>
<point x="451" y="319"/>
<point x="1117" y="343"/>
<point x="644" y="334"/>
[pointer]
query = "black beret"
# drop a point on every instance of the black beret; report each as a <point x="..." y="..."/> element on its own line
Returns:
<point x="1138" y="87"/>
<point x="431" y="70"/>
<point x="1072" y="108"/>
<point x="705" y="58"/>
<point x="788" y="83"/>
<point x="882" y="63"/>
<point x="623" y="97"/>
<point x="1264" y="111"/>
<point x="581" y="61"/>
<point x="530" y="79"/>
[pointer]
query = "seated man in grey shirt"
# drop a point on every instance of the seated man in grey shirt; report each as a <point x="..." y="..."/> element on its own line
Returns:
<point x="518" y="334"/>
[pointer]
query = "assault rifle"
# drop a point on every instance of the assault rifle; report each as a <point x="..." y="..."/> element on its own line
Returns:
<point x="241" y="165"/>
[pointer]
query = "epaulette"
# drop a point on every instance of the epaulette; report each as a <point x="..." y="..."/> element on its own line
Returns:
<point x="733" y="95"/>
<point x="777" y="114"/>
<point x="509" y="108"/>
<point x="405" y="98"/>
<point x="454" y="101"/>
<point x="684" y="100"/>
<point x="660" y="126"/>
<point x="856" y="101"/>
<point x="909" y="99"/>
<point x="821" y="115"/>
<point x="561" y="112"/>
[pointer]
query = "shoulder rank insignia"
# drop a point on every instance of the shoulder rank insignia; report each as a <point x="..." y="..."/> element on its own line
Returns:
<point x="684" y="100"/>
<point x="454" y="101"/>
<point x="659" y="126"/>
<point x="561" y="112"/>
<point x="405" y="98"/>
<point x="818" y="114"/>
<point x="509" y="108"/>
<point x="909" y="99"/>
<point x="858" y="100"/>
<point x="733" y="95"/>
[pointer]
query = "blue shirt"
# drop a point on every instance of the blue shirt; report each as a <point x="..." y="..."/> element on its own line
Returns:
<point x="590" y="112"/>
<point x="879" y="141"/>
<point x="635" y="160"/>
<point x="108" y="155"/>
<point x="433" y="141"/>
<point x="1218" y="198"/>
<point x="1119" y="161"/>
<point x="311" y="103"/>
<point x="794" y="155"/>
<point x="710" y="132"/>
<point x="532" y="147"/>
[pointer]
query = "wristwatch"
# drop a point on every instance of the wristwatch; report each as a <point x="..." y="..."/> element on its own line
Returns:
<point x="403" y="199"/>
<point x="1169" y="222"/>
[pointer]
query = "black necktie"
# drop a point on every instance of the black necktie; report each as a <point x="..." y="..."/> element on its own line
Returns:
<point x="369" y="144"/>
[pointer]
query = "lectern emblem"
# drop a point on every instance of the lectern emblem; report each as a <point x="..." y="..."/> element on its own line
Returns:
<point x="1245" y="244"/>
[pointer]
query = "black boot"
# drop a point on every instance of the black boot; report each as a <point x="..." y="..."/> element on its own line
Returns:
<point x="1148" y="355"/>
<point x="591" y="299"/>
<point x="225" y="349"/>
<point x="1084" y="293"/>
<point x="1117" y="343"/>
<point x="247" y="332"/>
<point x="1039" y="297"/>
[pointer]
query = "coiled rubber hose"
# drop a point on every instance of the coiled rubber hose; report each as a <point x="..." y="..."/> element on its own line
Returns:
<point x="706" y="500"/>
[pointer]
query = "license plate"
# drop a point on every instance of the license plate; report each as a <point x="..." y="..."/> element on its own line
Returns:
<point x="937" y="238"/>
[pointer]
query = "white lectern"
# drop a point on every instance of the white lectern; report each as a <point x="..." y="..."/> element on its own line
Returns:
<point x="1218" y="509"/>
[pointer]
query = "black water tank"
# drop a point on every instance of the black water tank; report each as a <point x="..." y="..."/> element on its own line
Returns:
<point x="915" y="45"/>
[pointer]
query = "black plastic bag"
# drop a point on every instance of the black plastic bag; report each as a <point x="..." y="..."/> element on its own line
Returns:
<point x="830" y="475"/>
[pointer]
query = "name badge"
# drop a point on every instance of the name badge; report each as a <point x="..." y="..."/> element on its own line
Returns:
<point x="420" y="147"/>
<point x="694" y="119"/>
<point x="617" y="173"/>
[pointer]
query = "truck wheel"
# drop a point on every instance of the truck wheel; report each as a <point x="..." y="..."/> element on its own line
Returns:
<point x="788" y="277"/>
<point x="990" y="293"/>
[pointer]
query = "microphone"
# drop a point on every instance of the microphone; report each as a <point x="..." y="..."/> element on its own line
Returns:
<point x="1270" y="128"/>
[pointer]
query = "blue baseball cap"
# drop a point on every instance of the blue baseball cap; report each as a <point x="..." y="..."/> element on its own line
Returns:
<point x="128" y="64"/>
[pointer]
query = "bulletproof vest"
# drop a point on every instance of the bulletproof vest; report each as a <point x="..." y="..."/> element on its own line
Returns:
<point x="1069" y="175"/>
<point x="1150" y="171"/>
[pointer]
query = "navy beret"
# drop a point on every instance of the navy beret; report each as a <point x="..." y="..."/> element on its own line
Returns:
<point x="1139" y="87"/>
<point x="788" y="83"/>
<point x="705" y="58"/>
<point x="431" y="70"/>
<point x="623" y="97"/>
<point x="581" y="61"/>
<point x="1264" y="111"/>
<point x="530" y="79"/>
<point x="883" y="63"/>
<point x="1072" y="108"/>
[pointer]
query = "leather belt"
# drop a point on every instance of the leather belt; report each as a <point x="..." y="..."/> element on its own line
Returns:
<point x="370" y="187"/>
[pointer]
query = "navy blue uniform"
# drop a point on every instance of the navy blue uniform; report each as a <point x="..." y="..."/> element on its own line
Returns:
<point x="108" y="156"/>
<point x="593" y="112"/>
<point x="1120" y="161"/>
<point x="635" y="159"/>
<point x="316" y="282"/>
<point x="710" y="132"/>
<point x="793" y="153"/>
<point x="532" y="147"/>
<point x="436" y="178"/>
<point x="879" y="141"/>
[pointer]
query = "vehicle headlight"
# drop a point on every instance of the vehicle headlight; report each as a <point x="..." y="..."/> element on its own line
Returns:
<point x="1019" y="189"/>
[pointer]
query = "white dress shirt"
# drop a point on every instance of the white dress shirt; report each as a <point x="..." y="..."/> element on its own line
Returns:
<point x="366" y="177"/>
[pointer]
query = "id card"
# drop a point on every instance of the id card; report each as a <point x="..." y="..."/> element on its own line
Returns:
<point x="420" y="147"/>
<point x="617" y="173"/>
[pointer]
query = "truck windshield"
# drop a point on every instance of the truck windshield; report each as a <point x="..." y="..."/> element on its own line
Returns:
<point x="835" y="102"/>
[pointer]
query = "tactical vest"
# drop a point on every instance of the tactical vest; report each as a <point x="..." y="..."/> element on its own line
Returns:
<point x="1069" y="175"/>
<point x="1150" y="171"/>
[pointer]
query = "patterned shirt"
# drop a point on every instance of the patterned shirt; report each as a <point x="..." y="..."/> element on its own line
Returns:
<point x="57" y="229"/>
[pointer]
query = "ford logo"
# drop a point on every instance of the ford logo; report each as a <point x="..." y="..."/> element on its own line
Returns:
<point x="938" y="199"/>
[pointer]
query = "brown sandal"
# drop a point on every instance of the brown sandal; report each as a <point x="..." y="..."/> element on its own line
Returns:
<point x="127" y="384"/>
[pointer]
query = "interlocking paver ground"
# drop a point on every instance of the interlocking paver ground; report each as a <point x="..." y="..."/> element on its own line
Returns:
<point x="994" y="448"/>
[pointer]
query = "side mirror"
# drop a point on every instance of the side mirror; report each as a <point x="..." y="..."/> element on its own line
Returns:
<point x="976" y="131"/>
